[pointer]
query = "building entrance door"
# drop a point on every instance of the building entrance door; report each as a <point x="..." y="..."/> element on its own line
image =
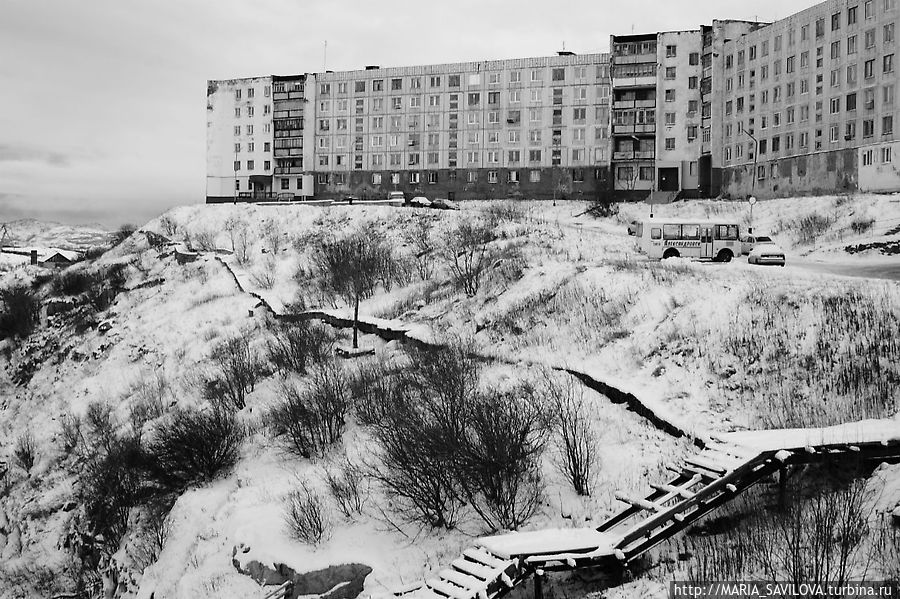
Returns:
<point x="668" y="179"/>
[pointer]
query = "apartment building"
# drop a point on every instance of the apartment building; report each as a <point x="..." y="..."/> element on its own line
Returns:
<point x="809" y="102"/>
<point x="530" y="127"/>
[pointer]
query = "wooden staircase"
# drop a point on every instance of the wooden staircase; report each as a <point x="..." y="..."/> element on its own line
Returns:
<point x="727" y="466"/>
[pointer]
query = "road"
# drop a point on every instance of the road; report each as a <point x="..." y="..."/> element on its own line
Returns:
<point x="888" y="270"/>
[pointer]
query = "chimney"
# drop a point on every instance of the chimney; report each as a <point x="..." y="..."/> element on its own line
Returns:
<point x="34" y="257"/>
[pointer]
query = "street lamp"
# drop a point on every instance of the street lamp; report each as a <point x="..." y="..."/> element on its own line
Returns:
<point x="755" y="158"/>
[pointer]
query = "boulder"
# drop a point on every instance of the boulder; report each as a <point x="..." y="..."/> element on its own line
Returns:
<point x="344" y="581"/>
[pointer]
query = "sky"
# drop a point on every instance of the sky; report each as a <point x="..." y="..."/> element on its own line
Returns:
<point x="102" y="102"/>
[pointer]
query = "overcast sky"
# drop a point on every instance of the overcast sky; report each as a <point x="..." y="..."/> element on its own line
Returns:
<point x="102" y="102"/>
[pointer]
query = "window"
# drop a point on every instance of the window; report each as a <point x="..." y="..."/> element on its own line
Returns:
<point x="558" y="74"/>
<point x="670" y="118"/>
<point x="694" y="58"/>
<point x="514" y="156"/>
<point x="850" y="130"/>
<point x="836" y="21"/>
<point x="453" y="80"/>
<point x="870" y="38"/>
<point x="835" y="105"/>
<point x="472" y="176"/>
<point x="692" y="132"/>
<point x="534" y="176"/>
<point x="851" y="74"/>
<point x="432" y="177"/>
<point x="886" y="154"/>
<point x="869" y="69"/>
<point x="671" y="51"/>
<point x="415" y="101"/>
<point x="887" y="125"/>
<point x="237" y="165"/>
<point x="670" y="143"/>
<point x="250" y="165"/>
<point x="670" y="72"/>
<point x="888" y="63"/>
<point x="692" y="83"/>
<point x="474" y="98"/>
<point x="249" y="129"/>
<point x="869" y="9"/>
<point x="515" y="76"/>
<point x="820" y="28"/>
<point x="377" y="85"/>
<point x="868" y="127"/>
<point x="887" y="94"/>
<point x="534" y="155"/>
<point x="867" y="157"/>
<point x="237" y="111"/>
<point x="889" y="33"/>
<point x="851" y="15"/>
<point x="536" y="75"/>
<point x="396" y="84"/>
<point x="670" y="95"/>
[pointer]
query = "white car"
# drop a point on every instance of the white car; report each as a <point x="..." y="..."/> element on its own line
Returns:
<point x="766" y="253"/>
<point x="420" y="201"/>
<point x="749" y="241"/>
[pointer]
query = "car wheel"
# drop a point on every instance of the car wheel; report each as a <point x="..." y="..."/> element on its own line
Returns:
<point x="724" y="256"/>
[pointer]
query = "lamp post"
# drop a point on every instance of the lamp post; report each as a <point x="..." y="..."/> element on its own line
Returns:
<point x="755" y="159"/>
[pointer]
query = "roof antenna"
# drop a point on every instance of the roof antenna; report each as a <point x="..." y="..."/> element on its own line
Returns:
<point x="325" y="56"/>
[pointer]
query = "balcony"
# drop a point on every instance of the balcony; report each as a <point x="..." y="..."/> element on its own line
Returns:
<point x="630" y="129"/>
<point x="288" y="152"/>
<point x="629" y="155"/>
<point x="288" y="170"/>
<point x="634" y="81"/>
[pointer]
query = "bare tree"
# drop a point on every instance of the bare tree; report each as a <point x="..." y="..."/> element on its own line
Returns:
<point x="353" y="266"/>
<point x="466" y="253"/>
<point x="238" y="232"/>
<point x="419" y="237"/>
<point x="576" y="441"/>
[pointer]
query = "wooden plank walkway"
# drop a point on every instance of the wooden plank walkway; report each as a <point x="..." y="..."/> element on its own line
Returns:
<point x="728" y="465"/>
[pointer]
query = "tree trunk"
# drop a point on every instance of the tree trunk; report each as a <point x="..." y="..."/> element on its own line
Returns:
<point x="356" y="324"/>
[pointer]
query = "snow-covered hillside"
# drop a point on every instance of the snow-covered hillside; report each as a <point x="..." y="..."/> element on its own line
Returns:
<point x="705" y="347"/>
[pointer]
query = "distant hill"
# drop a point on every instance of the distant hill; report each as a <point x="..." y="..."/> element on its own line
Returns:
<point x="35" y="233"/>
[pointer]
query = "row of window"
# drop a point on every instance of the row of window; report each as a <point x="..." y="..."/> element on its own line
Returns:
<point x="513" y="117"/>
<point x="803" y="138"/>
<point x="577" y="135"/>
<point x="850" y="103"/>
<point x="396" y="159"/>
<point x="251" y="147"/>
<point x="579" y="73"/>
<point x="472" y="99"/>
<point x="852" y="17"/>
<point x="772" y="170"/>
<point x="251" y="92"/>
<point x="251" y="165"/>
<point x="249" y="111"/>
<point x="433" y="177"/>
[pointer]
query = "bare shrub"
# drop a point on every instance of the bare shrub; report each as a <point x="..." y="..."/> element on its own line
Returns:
<point x="603" y="205"/>
<point x="194" y="446"/>
<point x="346" y="482"/>
<point x="370" y="386"/>
<point x="101" y="425"/>
<point x="169" y="226"/>
<point x="295" y="346"/>
<point x="71" y="433"/>
<point x="238" y="368"/>
<point x="820" y="536"/>
<point x="353" y="266"/>
<point x="862" y="224"/>
<point x="499" y="212"/>
<point x="111" y="485"/>
<point x="811" y="226"/>
<point x="122" y="233"/>
<point x="149" y="399"/>
<point x="239" y="233"/>
<point x="307" y="515"/>
<point x="576" y="441"/>
<point x="313" y="418"/>
<point x="264" y="277"/>
<point x="887" y="548"/>
<point x="146" y="548"/>
<point x="465" y="252"/>
<point x="272" y="235"/>
<point x="418" y="235"/>
<point x="205" y="240"/>
<point x="25" y="452"/>
<point x="499" y="465"/>
<point x="21" y="311"/>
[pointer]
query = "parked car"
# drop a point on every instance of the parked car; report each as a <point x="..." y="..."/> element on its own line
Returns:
<point x="441" y="204"/>
<point x="632" y="227"/>
<point x="420" y="201"/>
<point x="397" y="195"/>
<point x="749" y="241"/>
<point x="766" y="252"/>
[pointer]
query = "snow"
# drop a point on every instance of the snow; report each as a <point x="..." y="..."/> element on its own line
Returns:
<point x="553" y="540"/>
<point x="865" y="431"/>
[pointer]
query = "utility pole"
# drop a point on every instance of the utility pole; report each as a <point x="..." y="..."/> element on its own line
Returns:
<point x="755" y="159"/>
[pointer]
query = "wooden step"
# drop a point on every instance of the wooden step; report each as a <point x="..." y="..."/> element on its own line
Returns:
<point x="461" y="579"/>
<point x="474" y="569"/>
<point x="672" y="490"/>
<point x="644" y="504"/>
<point x="481" y="556"/>
<point x="450" y="590"/>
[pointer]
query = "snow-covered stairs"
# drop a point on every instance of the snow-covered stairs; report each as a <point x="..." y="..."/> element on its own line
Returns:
<point x="476" y="574"/>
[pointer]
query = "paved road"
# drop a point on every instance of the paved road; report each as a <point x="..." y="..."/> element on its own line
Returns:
<point x="888" y="270"/>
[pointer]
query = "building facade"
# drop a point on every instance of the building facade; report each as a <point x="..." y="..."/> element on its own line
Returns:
<point x="809" y="103"/>
<point x="736" y="108"/>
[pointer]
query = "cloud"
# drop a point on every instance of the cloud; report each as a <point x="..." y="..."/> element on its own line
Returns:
<point x="10" y="153"/>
